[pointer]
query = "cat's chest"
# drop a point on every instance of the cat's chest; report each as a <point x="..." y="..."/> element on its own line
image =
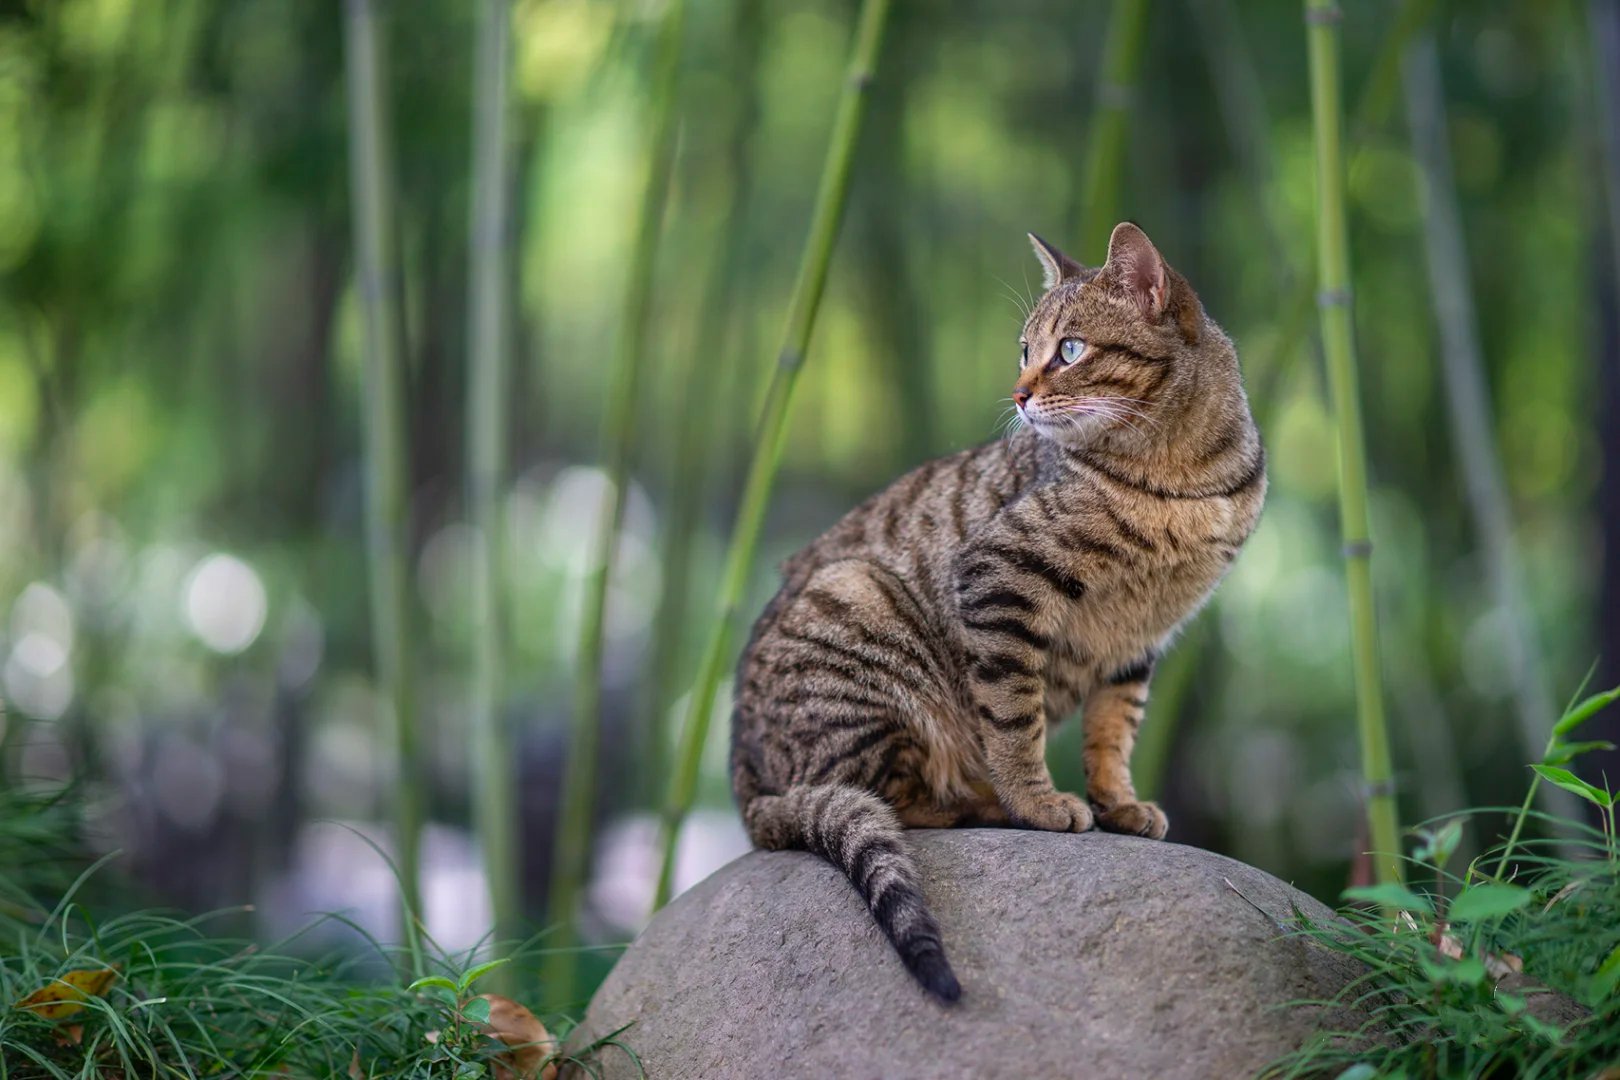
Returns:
<point x="1142" y="588"/>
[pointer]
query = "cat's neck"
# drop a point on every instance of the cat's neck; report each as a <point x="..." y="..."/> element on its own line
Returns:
<point x="1193" y="449"/>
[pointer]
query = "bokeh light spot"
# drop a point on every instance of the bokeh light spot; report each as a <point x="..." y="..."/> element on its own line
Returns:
<point x="225" y="603"/>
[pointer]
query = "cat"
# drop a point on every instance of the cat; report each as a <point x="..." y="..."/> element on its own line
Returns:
<point x="905" y="673"/>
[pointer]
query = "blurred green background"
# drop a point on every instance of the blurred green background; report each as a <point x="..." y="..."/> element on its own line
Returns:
<point x="183" y="589"/>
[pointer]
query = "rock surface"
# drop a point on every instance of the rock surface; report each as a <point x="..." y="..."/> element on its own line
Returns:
<point x="1085" y="955"/>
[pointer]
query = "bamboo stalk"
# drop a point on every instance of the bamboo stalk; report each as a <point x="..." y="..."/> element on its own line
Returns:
<point x="1372" y="107"/>
<point x="801" y="319"/>
<point x="1603" y="27"/>
<point x="1463" y="366"/>
<point x="1105" y="150"/>
<point x="572" y="848"/>
<point x="382" y="396"/>
<point x="488" y="358"/>
<point x="1333" y="274"/>
<point x="709" y="365"/>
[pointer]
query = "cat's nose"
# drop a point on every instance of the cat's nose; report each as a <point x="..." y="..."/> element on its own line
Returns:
<point x="1021" y="396"/>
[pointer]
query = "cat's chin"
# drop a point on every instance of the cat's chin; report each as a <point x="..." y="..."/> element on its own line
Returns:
<point x="1077" y="432"/>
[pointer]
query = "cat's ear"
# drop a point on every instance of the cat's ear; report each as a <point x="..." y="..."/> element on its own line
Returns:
<point x="1136" y="265"/>
<point x="1055" y="266"/>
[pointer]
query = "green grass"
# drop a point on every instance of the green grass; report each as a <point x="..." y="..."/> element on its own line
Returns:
<point x="1508" y="967"/>
<point x="188" y="1002"/>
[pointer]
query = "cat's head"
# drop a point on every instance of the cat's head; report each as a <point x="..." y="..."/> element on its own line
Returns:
<point x="1115" y="352"/>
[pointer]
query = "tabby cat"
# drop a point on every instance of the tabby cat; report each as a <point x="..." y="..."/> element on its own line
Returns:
<point x="907" y="670"/>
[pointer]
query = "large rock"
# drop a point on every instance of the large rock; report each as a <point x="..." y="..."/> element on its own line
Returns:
<point x="1079" y="955"/>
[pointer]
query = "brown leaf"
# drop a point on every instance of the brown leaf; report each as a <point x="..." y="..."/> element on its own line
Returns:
<point x="71" y="1035"/>
<point x="531" y="1044"/>
<point x="357" y="1071"/>
<point x="1497" y="967"/>
<point x="66" y="994"/>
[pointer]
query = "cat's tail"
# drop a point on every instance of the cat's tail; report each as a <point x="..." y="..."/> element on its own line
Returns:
<point x="858" y="832"/>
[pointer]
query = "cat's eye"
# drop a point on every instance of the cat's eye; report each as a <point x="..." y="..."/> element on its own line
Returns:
<point x="1023" y="353"/>
<point x="1071" y="349"/>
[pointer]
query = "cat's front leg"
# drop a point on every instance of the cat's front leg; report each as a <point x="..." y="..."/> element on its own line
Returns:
<point x="1007" y="601"/>
<point x="1113" y="714"/>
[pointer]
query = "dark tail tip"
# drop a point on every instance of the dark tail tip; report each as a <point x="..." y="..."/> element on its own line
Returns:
<point x="928" y="965"/>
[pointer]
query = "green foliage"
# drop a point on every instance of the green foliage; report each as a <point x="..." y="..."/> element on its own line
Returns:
<point x="182" y="373"/>
<point x="188" y="1003"/>
<point x="1506" y="979"/>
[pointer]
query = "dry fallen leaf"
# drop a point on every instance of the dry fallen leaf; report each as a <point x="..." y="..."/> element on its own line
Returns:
<point x="71" y="1035"/>
<point x="1497" y="966"/>
<point x="531" y="1044"/>
<point x="66" y="994"/>
<point x="356" y="1070"/>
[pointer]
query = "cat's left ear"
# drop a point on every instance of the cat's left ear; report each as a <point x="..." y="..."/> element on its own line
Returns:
<point x="1139" y="269"/>
<point x="1056" y="267"/>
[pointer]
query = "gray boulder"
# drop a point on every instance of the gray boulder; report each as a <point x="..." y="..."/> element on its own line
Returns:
<point x="1087" y="955"/>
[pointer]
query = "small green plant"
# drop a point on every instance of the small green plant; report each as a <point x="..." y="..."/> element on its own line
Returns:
<point x="1504" y="970"/>
<point x="151" y="994"/>
<point x="462" y="1042"/>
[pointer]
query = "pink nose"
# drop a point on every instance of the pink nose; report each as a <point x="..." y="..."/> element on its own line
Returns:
<point x="1021" y="396"/>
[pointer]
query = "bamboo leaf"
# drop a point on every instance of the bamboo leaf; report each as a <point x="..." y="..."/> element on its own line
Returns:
<point x="476" y="973"/>
<point x="1587" y="709"/>
<point x="1572" y="783"/>
<point x="1606" y="979"/>
<point x="1441" y="844"/>
<point x="1487" y="901"/>
<point x="1391" y="895"/>
<point x="1564" y="753"/>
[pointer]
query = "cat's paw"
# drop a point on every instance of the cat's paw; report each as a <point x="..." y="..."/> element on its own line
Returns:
<point x="1136" y="818"/>
<point x="1053" y="811"/>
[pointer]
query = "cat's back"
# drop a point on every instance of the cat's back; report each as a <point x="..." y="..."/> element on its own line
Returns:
<point x="915" y="526"/>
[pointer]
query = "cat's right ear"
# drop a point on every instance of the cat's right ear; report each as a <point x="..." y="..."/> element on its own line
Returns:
<point x="1056" y="267"/>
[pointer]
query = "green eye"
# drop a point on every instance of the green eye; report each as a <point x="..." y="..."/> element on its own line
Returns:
<point x="1071" y="349"/>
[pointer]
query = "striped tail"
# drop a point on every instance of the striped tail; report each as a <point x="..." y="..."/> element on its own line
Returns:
<point x="859" y="833"/>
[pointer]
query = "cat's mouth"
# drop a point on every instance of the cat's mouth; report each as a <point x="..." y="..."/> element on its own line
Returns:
<point x="1084" y="418"/>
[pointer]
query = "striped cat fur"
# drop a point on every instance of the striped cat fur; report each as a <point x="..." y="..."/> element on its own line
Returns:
<point x="907" y="671"/>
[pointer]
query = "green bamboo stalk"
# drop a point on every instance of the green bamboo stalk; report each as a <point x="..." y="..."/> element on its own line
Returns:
<point x="1372" y="108"/>
<point x="1463" y="366"/>
<point x="1242" y="106"/>
<point x="1601" y="27"/>
<point x="708" y="366"/>
<point x="572" y="848"/>
<point x="801" y="320"/>
<point x="488" y="359"/>
<point x="1173" y="680"/>
<point x="1333" y="274"/>
<point x="382" y="396"/>
<point x="1105" y="150"/>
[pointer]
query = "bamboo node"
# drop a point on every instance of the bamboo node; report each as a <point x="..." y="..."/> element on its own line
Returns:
<point x="1357" y="549"/>
<point x="1326" y="15"/>
<point x="1379" y="789"/>
<point x="790" y="359"/>
<point x="1333" y="298"/>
